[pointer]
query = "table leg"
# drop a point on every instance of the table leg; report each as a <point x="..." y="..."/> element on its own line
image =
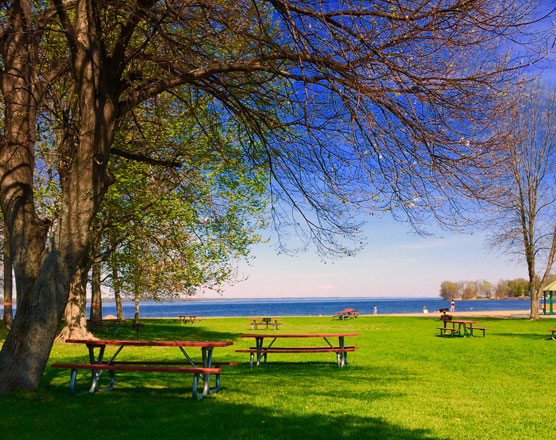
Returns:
<point x="343" y="356"/>
<point x="96" y="374"/>
<point x="259" y="346"/>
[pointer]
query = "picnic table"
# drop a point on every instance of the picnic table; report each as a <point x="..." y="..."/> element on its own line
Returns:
<point x="184" y="319"/>
<point x="265" y="322"/>
<point x="466" y="325"/>
<point x="97" y="363"/>
<point x="346" y="314"/>
<point x="262" y="351"/>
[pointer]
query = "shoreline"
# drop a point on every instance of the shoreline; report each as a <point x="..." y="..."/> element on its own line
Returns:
<point x="516" y="314"/>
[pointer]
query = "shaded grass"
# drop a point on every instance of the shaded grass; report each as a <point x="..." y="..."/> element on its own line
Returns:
<point x="403" y="383"/>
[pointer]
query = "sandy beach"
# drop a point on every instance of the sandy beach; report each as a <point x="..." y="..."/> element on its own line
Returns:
<point x="484" y="314"/>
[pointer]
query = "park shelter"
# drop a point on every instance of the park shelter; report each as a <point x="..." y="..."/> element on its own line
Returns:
<point x="550" y="289"/>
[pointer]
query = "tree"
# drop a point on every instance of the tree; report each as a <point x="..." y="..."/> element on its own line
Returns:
<point x="373" y="106"/>
<point x="502" y="289"/>
<point x="484" y="288"/>
<point x="7" y="283"/>
<point x="525" y="202"/>
<point x="449" y="290"/>
<point x="470" y="290"/>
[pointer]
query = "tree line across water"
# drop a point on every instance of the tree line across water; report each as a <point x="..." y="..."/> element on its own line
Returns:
<point x="483" y="289"/>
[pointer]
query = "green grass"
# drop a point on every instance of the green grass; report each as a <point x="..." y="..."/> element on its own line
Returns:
<point x="403" y="383"/>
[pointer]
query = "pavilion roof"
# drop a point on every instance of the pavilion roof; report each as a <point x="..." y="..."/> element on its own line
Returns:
<point x="550" y="287"/>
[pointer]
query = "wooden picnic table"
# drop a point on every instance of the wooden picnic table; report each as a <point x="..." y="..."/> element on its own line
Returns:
<point x="184" y="319"/>
<point x="97" y="363"/>
<point x="346" y="314"/>
<point x="266" y="322"/>
<point x="262" y="351"/>
<point x="466" y="325"/>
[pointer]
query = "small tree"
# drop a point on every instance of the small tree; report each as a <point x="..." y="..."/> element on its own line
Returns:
<point x="449" y="290"/>
<point x="524" y="203"/>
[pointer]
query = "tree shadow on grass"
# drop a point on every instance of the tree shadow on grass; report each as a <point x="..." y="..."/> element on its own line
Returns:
<point x="530" y="336"/>
<point x="153" y="412"/>
<point x="156" y="329"/>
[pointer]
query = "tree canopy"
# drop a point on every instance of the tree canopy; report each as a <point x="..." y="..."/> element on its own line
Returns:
<point x="347" y="105"/>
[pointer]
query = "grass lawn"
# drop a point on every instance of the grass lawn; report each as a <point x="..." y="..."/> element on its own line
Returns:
<point x="403" y="383"/>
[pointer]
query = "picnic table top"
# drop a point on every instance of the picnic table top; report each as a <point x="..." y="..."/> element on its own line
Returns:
<point x="187" y="316"/>
<point x="106" y="320"/>
<point x="151" y="343"/>
<point x="316" y="335"/>
<point x="462" y="321"/>
<point x="266" y="318"/>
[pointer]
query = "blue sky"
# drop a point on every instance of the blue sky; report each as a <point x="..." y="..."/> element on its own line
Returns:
<point x="395" y="262"/>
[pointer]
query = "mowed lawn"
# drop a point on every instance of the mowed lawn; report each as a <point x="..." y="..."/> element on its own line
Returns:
<point x="404" y="382"/>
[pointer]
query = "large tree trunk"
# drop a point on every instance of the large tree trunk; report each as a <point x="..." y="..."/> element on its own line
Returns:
<point x="8" y="284"/>
<point x="43" y="282"/>
<point x="535" y="297"/>
<point x="75" y="315"/>
<point x="136" y="316"/>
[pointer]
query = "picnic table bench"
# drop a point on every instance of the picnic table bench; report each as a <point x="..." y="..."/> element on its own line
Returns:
<point x="265" y="322"/>
<point x="184" y="319"/>
<point x="553" y="336"/>
<point x="97" y="365"/>
<point x="108" y="323"/>
<point x="262" y="351"/>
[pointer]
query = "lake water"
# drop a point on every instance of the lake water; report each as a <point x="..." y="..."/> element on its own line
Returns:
<point x="307" y="306"/>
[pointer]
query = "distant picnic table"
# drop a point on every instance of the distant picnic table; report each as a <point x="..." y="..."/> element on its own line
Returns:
<point x="266" y="322"/>
<point x="184" y="319"/>
<point x="346" y="314"/>
<point x="262" y="351"/>
<point x="466" y="325"/>
<point x="97" y="364"/>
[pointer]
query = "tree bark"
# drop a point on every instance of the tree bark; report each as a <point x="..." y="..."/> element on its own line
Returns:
<point x="75" y="312"/>
<point x="43" y="279"/>
<point x="8" y="284"/>
<point x="136" y="316"/>
<point x="116" y="287"/>
<point x="96" y="293"/>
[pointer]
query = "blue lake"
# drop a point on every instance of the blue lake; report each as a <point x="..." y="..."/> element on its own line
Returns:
<point x="307" y="306"/>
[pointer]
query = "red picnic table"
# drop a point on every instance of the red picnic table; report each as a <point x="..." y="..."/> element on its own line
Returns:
<point x="261" y="351"/>
<point x="346" y="314"/>
<point x="98" y="365"/>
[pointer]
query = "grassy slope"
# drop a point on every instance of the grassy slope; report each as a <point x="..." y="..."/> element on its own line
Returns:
<point x="403" y="383"/>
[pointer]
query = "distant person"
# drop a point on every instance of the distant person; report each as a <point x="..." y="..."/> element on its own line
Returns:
<point x="375" y="312"/>
<point x="425" y="310"/>
<point x="452" y="306"/>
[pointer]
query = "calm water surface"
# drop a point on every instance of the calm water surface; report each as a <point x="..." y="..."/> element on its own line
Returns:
<point x="307" y="306"/>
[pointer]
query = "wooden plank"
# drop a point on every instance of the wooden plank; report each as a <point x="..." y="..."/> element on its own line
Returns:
<point x="271" y="350"/>
<point x="152" y="343"/>
<point x="281" y="335"/>
<point x="193" y="370"/>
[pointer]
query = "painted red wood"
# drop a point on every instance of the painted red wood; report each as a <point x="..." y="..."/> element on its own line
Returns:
<point x="167" y="363"/>
<point x="302" y="348"/>
<point x="318" y="335"/>
<point x="152" y="343"/>
<point x="297" y="350"/>
<point x="138" y="368"/>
